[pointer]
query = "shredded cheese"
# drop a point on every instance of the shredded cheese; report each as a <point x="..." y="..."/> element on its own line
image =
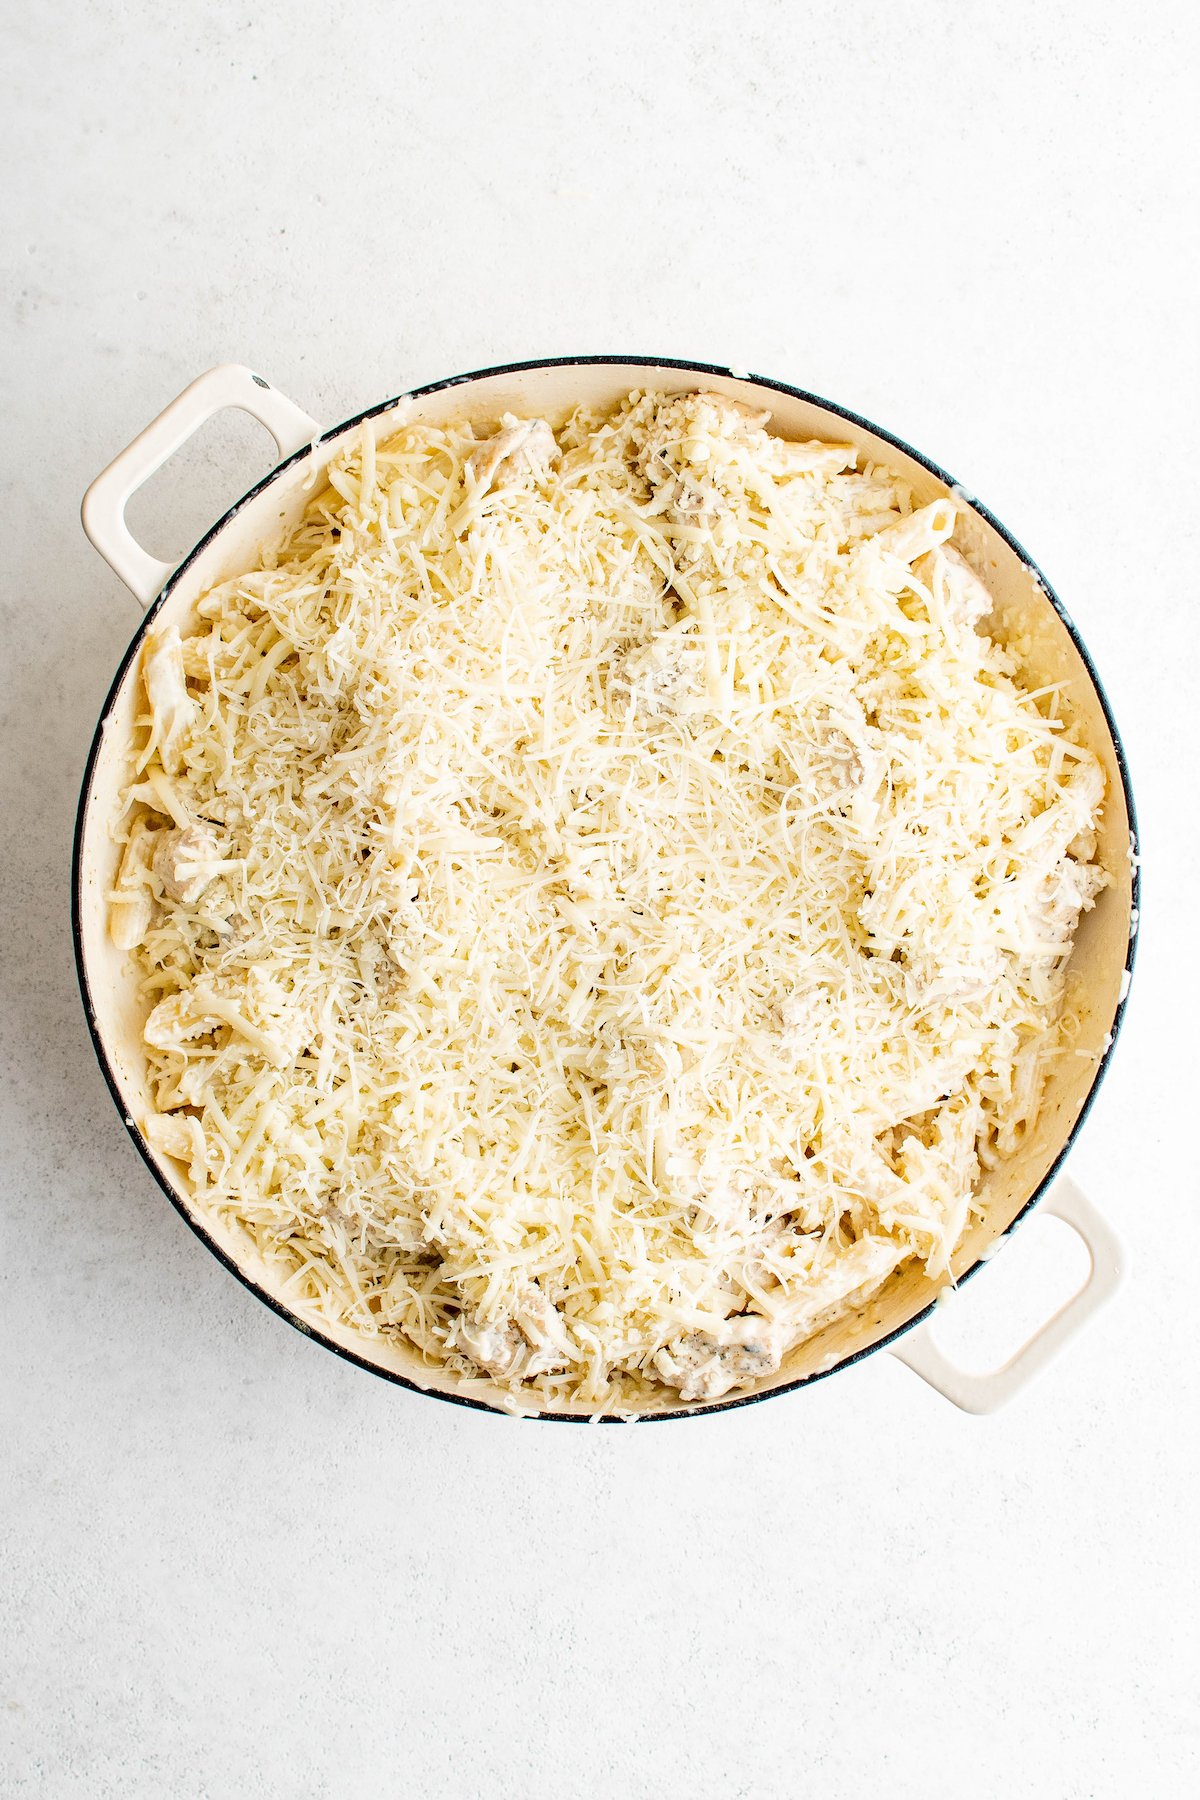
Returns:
<point x="599" y="896"/>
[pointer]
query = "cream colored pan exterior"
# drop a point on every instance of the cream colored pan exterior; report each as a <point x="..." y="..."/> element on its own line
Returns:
<point x="1103" y="951"/>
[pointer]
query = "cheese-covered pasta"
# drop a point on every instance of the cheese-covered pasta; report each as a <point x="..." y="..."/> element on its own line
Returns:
<point x="599" y="896"/>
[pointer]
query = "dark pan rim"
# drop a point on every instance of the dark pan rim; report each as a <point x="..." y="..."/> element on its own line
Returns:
<point x="371" y="412"/>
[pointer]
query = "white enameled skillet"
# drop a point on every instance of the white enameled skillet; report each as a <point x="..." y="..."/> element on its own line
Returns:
<point x="899" y="1317"/>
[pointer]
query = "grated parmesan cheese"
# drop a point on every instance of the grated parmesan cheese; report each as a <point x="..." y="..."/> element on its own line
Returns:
<point x="599" y="897"/>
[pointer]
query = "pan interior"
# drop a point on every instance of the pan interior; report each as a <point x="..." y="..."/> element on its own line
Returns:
<point x="1024" y="613"/>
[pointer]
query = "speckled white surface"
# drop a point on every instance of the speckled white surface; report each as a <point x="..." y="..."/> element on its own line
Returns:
<point x="234" y="1566"/>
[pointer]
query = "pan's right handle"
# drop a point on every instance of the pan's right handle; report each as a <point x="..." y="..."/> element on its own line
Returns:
<point x="105" y="501"/>
<point x="983" y="1393"/>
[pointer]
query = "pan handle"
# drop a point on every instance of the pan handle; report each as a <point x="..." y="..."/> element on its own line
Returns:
<point x="984" y="1393"/>
<point x="105" y="501"/>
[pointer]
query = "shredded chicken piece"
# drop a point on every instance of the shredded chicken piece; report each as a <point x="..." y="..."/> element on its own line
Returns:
<point x="497" y="1348"/>
<point x="933" y="977"/>
<point x="769" y="1255"/>
<point x="542" y="1325"/>
<point x="704" y="1364"/>
<point x="1053" y="889"/>
<point x="733" y="417"/>
<point x="529" y="1340"/>
<point x="844" y="753"/>
<point x="1057" y="901"/>
<point x="515" y="451"/>
<point x="653" y="677"/>
<point x="186" y="862"/>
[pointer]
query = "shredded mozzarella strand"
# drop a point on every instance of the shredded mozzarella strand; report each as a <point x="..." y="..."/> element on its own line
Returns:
<point x="599" y="897"/>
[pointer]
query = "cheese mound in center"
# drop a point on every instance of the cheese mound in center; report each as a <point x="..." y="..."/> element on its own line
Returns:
<point x="599" y="895"/>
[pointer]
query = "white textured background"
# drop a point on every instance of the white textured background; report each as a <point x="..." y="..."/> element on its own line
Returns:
<point x="234" y="1566"/>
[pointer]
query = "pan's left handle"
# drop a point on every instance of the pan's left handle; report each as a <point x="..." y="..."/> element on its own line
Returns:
<point x="105" y="501"/>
